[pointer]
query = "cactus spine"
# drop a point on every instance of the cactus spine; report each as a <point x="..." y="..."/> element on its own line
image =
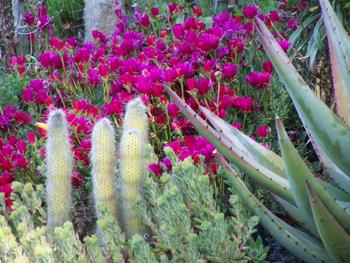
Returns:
<point x="103" y="162"/>
<point x="59" y="162"/>
<point x="132" y="163"/>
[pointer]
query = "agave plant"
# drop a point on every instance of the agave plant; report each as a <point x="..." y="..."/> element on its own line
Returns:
<point x="320" y="208"/>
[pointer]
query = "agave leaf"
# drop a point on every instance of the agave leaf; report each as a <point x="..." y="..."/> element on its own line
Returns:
<point x="251" y="148"/>
<point x="344" y="205"/>
<point x="334" y="191"/>
<point x="339" y="177"/>
<point x="340" y="86"/>
<point x="297" y="215"/>
<point x="252" y="168"/>
<point x="339" y="48"/>
<point x="298" y="174"/>
<point x="300" y="244"/>
<point x="296" y="169"/>
<point x="337" y="211"/>
<point x="333" y="235"/>
<point x="254" y="150"/>
<point x="330" y="133"/>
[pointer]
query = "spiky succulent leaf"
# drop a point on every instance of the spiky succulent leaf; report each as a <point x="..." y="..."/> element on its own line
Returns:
<point x="258" y="172"/>
<point x="299" y="173"/>
<point x="339" y="48"/>
<point x="340" y="178"/>
<point x="249" y="147"/>
<point x="256" y="151"/>
<point x="330" y="133"/>
<point x="297" y="215"/>
<point x="344" y="205"/>
<point x="296" y="169"/>
<point x="333" y="236"/>
<point x="334" y="191"/>
<point x="300" y="244"/>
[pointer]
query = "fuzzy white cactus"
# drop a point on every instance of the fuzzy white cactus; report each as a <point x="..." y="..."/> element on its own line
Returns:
<point x="103" y="162"/>
<point x="132" y="164"/>
<point x="59" y="162"/>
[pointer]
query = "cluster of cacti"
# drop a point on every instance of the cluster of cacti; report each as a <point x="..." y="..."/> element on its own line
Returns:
<point x="318" y="206"/>
<point x="185" y="222"/>
<point x="103" y="159"/>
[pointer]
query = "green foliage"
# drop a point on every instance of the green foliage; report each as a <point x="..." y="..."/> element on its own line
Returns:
<point x="310" y="35"/>
<point x="10" y="87"/>
<point x="185" y="224"/>
<point x="67" y="15"/>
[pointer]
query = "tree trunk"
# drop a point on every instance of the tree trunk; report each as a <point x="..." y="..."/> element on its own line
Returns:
<point x="18" y="12"/>
<point x="7" y="30"/>
<point x="99" y="14"/>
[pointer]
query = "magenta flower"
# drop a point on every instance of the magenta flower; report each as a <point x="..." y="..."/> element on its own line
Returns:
<point x="45" y="60"/>
<point x="77" y="179"/>
<point x="155" y="168"/>
<point x="226" y="101"/>
<point x="5" y="122"/>
<point x="103" y="70"/>
<point x="93" y="77"/>
<point x="207" y="42"/>
<point x="172" y="7"/>
<point x="244" y="104"/>
<point x="263" y="131"/>
<point x="178" y="31"/>
<point x="285" y="44"/>
<point x="144" y="20"/>
<point x="155" y="11"/>
<point x="191" y="84"/>
<point x="268" y="67"/>
<point x="5" y="178"/>
<point x="274" y="16"/>
<point x="29" y="18"/>
<point x="197" y="11"/>
<point x="237" y="125"/>
<point x="259" y="79"/>
<point x="229" y="70"/>
<point x="115" y="107"/>
<point x="250" y="11"/>
<point x="82" y="55"/>
<point x="56" y="43"/>
<point x="173" y="110"/>
<point x="203" y="85"/>
<point x="292" y="24"/>
<point x="6" y="190"/>
<point x="31" y="137"/>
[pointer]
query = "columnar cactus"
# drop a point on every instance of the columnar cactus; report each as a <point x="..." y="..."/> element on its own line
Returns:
<point x="132" y="163"/>
<point x="103" y="162"/>
<point x="59" y="162"/>
<point x="135" y="117"/>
